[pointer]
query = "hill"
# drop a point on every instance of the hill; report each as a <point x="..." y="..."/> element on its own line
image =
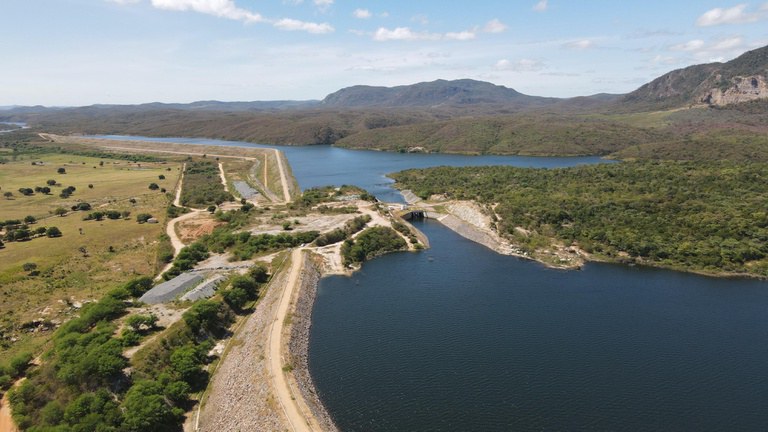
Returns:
<point x="708" y="111"/>
<point x="439" y="93"/>
<point x="742" y="79"/>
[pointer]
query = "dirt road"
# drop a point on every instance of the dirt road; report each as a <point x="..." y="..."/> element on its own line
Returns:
<point x="177" y="199"/>
<point x="223" y="179"/>
<point x="292" y="403"/>
<point x="283" y="177"/>
<point x="6" y="421"/>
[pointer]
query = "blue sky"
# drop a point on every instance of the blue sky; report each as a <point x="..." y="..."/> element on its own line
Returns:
<point x="81" y="52"/>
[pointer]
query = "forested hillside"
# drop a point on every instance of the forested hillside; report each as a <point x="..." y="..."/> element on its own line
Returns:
<point x="708" y="217"/>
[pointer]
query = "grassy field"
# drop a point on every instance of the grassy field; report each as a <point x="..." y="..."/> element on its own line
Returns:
<point x="90" y="256"/>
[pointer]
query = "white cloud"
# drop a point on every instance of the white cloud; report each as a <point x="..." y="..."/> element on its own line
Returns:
<point x="494" y="26"/>
<point x="734" y="15"/>
<point x="294" y="25"/>
<point x="124" y="2"/>
<point x="228" y="9"/>
<point x="522" y="65"/>
<point x="764" y="7"/>
<point x="218" y="8"/>
<point x="693" y="45"/>
<point x="728" y="44"/>
<point x="362" y="13"/>
<point x="579" y="44"/>
<point x="402" y="34"/>
<point x="541" y="6"/>
<point x="406" y="34"/>
<point x="464" y="35"/>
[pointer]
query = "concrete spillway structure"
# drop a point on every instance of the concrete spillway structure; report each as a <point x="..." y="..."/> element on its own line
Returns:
<point x="170" y="290"/>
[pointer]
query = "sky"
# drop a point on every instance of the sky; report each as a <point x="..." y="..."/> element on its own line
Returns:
<point x="82" y="52"/>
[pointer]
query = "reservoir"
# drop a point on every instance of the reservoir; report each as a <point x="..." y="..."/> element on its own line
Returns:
<point x="458" y="338"/>
<point x="322" y="165"/>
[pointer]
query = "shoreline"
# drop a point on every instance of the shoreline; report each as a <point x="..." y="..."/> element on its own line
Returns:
<point x="298" y="343"/>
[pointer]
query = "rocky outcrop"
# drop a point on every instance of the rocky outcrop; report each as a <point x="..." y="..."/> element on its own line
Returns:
<point x="742" y="89"/>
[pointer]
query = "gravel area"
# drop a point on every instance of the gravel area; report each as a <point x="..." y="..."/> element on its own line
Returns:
<point x="299" y="343"/>
<point x="241" y="398"/>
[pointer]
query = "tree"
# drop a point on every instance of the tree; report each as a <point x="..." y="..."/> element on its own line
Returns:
<point x="161" y="177"/>
<point x="8" y="194"/>
<point x="143" y="217"/>
<point x="60" y="211"/>
<point x="154" y="186"/>
<point x="90" y="186"/>
<point x="46" y="190"/>
<point x="28" y="267"/>
<point x="2" y="245"/>
<point x="53" y="232"/>
<point x="61" y="171"/>
<point x="146" y="410"/>
<point x="29" y="219"/>
<point x="259" y="273"/>
<point x="139" y="286"/>
<point x="136" y="322"/>
<point x="51" y="182"/>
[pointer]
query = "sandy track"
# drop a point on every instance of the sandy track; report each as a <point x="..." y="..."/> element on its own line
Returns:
<point x="177" y="199"/>
<point x="6" y="421"/>
<point x="293" y="404"/>
<point x="283" y="177"/>
<point x="223" y="178"/>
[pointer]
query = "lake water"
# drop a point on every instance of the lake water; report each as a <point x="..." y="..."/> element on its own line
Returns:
<point x="458" y="338"/>
<point x="325" y="165"/>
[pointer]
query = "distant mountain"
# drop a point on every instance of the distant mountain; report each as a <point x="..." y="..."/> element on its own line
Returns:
<point x="742" y="79"/>
<point x="434" y="94"/>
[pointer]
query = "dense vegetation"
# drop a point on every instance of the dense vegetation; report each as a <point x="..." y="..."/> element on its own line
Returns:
<point x="202" y="185"/>
<point x="371" y="243"/>
<point x="699" y="216"/>
<point x="81" y="385"/>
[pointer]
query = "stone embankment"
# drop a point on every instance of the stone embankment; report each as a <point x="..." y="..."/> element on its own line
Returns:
<point x="298" y="345"/>
<point x="240" y="395"/>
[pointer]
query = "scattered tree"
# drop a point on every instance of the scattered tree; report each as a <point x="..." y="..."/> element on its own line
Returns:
<point x="60" y="211"/>
<point x="143" y="217"/>
<point x="51" y="182"/>
<point x="30" y="219"/>
<point x="161" y="177"/>
<point x="61" y="171"/>
<point x="153" y="186"/>
<point x="53" y="232"/>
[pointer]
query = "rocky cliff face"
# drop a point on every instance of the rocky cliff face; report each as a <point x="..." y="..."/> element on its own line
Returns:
<point x="742" y="89"/>
<point x="742" y="79"/>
